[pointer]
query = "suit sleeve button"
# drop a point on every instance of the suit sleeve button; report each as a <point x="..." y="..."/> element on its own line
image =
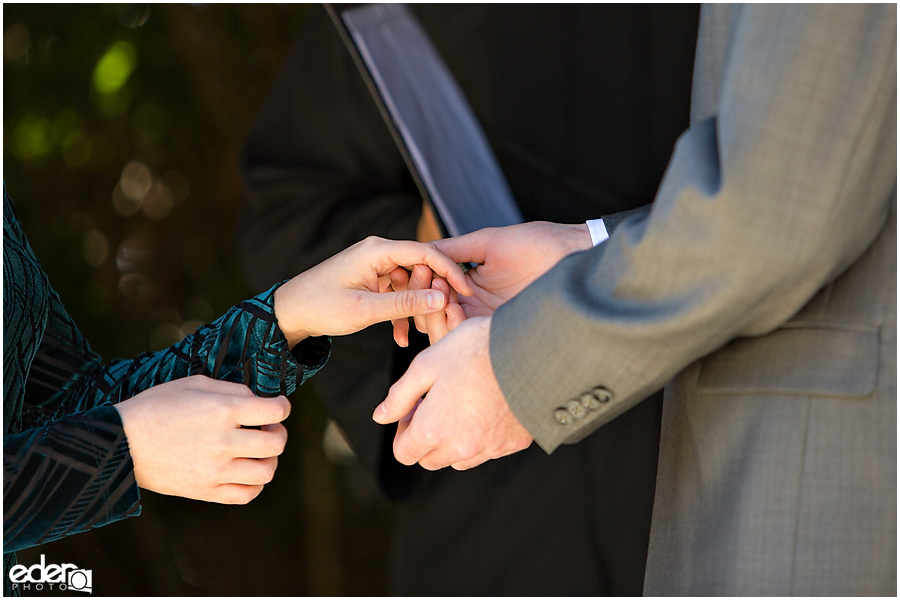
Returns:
<point x="602" y="395"/>
<point x="562" y="416"/>
<point x="576" y="409"/>
<point x="590" y="401"/>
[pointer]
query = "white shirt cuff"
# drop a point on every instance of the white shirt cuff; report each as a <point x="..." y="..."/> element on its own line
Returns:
<point x="598" y="231"/>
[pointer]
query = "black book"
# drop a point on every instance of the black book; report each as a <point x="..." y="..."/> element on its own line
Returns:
<point x="430" y="119"/>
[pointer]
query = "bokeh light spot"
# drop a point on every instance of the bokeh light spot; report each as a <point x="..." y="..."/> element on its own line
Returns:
<point x="16" y="42"/>
<point x="189" y="327"/>
<point x="164" y="336"/>
<point x="114" y="68"/>
<point x="135" y="254"/>
<point x="136" y="180"/>
<point x="136" y="288"/>
<point x="158" y="202"/>
<point x="94" y="248"/>
<point x="31" y="137"/>
<point x="122" y="204"/>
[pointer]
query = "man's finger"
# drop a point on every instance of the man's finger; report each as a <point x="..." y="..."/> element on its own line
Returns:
<point x="401" y="331"/>
<point x="436" y="322"/>
<point x="420" y="279"/>
<point x="399" y="279"/>
<point x="409" y="445"/>
<point x="469" y="248"/>
<point x="465" y="465"/>
<point x="406" y="392"/>
<point x="450" y="454"/>
<point x="455" y="315"/>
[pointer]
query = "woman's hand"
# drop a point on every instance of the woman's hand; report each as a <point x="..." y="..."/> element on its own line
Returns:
<point x="186" y="439"/>
<point x="436" y="324"/>
<point x="350" y="291"/>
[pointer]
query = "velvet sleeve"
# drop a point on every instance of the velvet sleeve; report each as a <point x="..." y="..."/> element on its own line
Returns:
<point x="66" y="465"/>
<point x="70" y="470"/>
<point x="245" y="345"/>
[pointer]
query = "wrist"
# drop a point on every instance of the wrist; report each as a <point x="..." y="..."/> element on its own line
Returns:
<point x="581" y="237"/>
<point x="290" y="326"/>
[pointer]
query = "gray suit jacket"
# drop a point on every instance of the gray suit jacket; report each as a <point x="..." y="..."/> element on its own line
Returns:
<point x="761" y="290"/>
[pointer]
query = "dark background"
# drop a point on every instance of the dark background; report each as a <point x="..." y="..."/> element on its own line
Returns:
<point x="122" y="125"/>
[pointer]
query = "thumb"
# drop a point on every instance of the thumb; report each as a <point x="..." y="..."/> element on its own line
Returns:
<point x="468" y="248"/>
<point x="406" y="393"/>
<point x="410" y="303"/>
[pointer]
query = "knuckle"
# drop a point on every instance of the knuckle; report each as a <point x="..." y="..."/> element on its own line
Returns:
<point x="406" y="302"/>
<point x="200" y="382"/>
<point x="470" y="448"/>
<point x="370" y="241"/>
<point x="430" y="437"/>
<point x="401" y="454"/>
<point x="218" y="409"/>
<point x="267" y="473"/>
<point x="221" y="445"/>
<point x="276" y="444"/>
<point x="272" y="410"/>
<point x="429" y="464"/>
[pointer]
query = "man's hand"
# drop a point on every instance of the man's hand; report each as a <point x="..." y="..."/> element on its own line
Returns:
<point x="349" y="291"/>
<point x="510" y="258"/>
<point x="185" y="439"/>
<point x="464" y="420"/>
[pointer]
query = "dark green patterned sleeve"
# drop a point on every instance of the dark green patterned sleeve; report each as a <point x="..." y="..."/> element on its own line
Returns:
<point x="69" y="470"/>
<point x="245" y="345"/>
<point x="66" y="464"/>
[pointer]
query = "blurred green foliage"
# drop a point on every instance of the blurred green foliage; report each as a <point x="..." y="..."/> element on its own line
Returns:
<point x="122" y="126"/>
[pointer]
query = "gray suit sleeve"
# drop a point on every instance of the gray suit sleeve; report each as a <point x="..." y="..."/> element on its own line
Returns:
<point x="768" y="197"/>
<point x="612" y="222"/>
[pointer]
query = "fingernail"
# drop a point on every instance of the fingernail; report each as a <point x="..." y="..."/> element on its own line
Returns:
<point x="380" y="413"/>
<point x="434" y="300"/>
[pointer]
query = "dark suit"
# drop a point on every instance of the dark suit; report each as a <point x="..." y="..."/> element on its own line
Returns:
<point x="582" y="105"/>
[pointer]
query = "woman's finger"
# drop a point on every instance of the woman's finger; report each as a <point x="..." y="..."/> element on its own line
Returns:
<point x="420" y="280"/>
<point x="436" y="322"/>
<point x="400" y="283"/>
